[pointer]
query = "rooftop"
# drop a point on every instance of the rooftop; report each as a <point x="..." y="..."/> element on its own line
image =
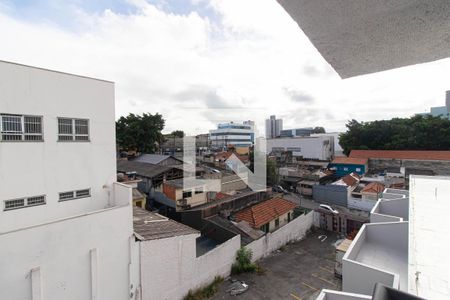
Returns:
<point x="401" y="154"/>
<point x="349" y="160"/>
<point x="151" y="226"/>
<point x="374" y="188"/>
<point x="367" y="36"/>
<point x="153" y="158"/>
<point x="142" y="169"/>
<point x="429" y="230"/>
<point x="264" y="212"/>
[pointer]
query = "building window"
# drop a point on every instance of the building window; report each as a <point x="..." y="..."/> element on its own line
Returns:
<point x="187" y="194"/>
<point x="345" y="169"/>
<point x="277" y="222"/>
<point x="24" y="202"/>
<point x="64" y="196"/>
<point x="264" y="228"/>
<point x="20" y="128"/>
<point x="199" y="190"/>
<point x="358" y="169"/>
<point x="73" y="130"/>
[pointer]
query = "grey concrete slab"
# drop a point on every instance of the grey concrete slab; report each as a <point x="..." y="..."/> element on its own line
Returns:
<point x="366" y="36"/>
<point x="300" y="271"/>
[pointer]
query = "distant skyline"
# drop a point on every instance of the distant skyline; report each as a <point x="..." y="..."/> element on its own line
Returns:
<point x="199" y="62"/>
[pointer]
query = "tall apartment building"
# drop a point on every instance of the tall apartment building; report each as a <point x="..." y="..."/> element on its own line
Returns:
<point x="233" y="134"/>
<point x="65" y="224"/>
<point x="441" y="111"/>
<point x="274" y="127"/>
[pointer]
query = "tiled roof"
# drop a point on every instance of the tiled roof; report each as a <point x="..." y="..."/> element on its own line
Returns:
<point x="150" y="226"/>
<point x="373" y="187"/>
<point x="154" y="158"/>
<point x="264" y="212"/>
<point x="351" y="179"/>
<point x="401" y="154"/>
<point x="349" y="160"/>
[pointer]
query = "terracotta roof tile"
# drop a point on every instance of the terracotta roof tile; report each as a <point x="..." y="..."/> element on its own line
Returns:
<point x="373" y="187"/>
<point x="349" y="160"/>
<point x="264" y="212"/>
<point x="401" y="154"/>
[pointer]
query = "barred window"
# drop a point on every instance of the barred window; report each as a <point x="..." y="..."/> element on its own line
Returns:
<point x="64" y="196"/>
<point x="24" y="202"/>
<point x="73" y="129"/>
<point x="13" y="204"/>
<point x="83" y="193"/>
<point x="20" y="128"/>
<point x="37" y="200"/>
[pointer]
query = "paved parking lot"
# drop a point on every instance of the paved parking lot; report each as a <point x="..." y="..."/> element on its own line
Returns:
<point x="300" y="271"/>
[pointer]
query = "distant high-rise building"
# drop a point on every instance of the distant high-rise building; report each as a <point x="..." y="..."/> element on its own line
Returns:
<point x="232" y="134"/>
<point x="441" y="111"/>
<point x="274" y="127"/>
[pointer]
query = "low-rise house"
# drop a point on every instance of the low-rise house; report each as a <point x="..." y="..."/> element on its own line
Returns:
<point x="372" y="191"/>
<point x="185" y="197"/>
<point x="139" y="199"/>
<point x="268" y="215"/>
<point x="347" y="165"/>
<point x="158" y="159"/>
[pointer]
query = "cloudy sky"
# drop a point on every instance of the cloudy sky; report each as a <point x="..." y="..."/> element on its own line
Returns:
<point x="201" y="62"/>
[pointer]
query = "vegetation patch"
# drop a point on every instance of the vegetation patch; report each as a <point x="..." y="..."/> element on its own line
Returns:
<point x="243" y="262"/>
<point x="205" y="292"/>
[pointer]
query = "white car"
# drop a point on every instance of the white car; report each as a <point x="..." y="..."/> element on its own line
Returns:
<point x="329" y="208"/>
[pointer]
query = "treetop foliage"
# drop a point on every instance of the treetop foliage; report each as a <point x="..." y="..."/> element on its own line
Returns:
<point x="415" y="133"/>
<point x="140" y="133"/>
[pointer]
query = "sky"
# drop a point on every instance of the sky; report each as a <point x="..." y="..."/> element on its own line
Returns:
<point x="203" y="62"/>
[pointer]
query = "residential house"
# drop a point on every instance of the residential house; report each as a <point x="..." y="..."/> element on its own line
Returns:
<point x="268" y="215"/>
<point x="152" y="176"/>
<point x="372" y="191"/>
<point x="185" y="197"/>
<point x="139" y="199"/>
<point x="158" y="159"/>
<point x="345" y="165"/>
<point x="67" y="232"/>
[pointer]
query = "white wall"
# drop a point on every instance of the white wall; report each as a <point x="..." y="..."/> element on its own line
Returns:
<point x="293" y="231"/>
<point x="62" y="252"/>
<point x="170" y="268"/>
<point x="50" y="167"/>
<point x="311" y="147"/>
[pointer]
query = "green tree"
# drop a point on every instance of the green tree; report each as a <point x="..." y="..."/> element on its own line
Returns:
<point x="271" y="172"/>
<point x="177" y="133"/>
<point x="142" y="133"/>
<point x="319" y="129"/>
<point x="415" y="133"/>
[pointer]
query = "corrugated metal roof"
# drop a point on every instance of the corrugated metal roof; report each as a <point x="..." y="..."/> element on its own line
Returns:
<point x="153" y="158"/>
<point x="142" y="169"/>
<point x="150" y="226"/>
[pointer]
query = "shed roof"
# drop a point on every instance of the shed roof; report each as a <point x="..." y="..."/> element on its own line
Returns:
<point x="401" y="154"/>
<point x="349" y="160"/>
<point x="142" y="169"/>
<point x="150" y="226"/>
<point x="153" y="158"/>
<point x="374" y="188"/>
<point x="264" y="212"/>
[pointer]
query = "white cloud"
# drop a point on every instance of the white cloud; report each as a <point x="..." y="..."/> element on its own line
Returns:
<point x="181" y="65"/>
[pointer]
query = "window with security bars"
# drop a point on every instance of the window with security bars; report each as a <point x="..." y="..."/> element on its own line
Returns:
<point x="20" y="128"/>
<point x="24" y="202"/>
<point x="73" y="129"/>
<point x="74" y="194"/>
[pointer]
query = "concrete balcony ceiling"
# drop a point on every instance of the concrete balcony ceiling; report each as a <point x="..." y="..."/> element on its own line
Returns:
<point x="365" y="36"/>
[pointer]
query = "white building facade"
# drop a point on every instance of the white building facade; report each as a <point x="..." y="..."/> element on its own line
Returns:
<point x="317" y="148"/>
<point x="232" y="134"/>
<point x="65" y="224"/>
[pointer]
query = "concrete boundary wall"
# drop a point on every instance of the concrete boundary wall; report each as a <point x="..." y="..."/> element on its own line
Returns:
<point x="293" y="231"/>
